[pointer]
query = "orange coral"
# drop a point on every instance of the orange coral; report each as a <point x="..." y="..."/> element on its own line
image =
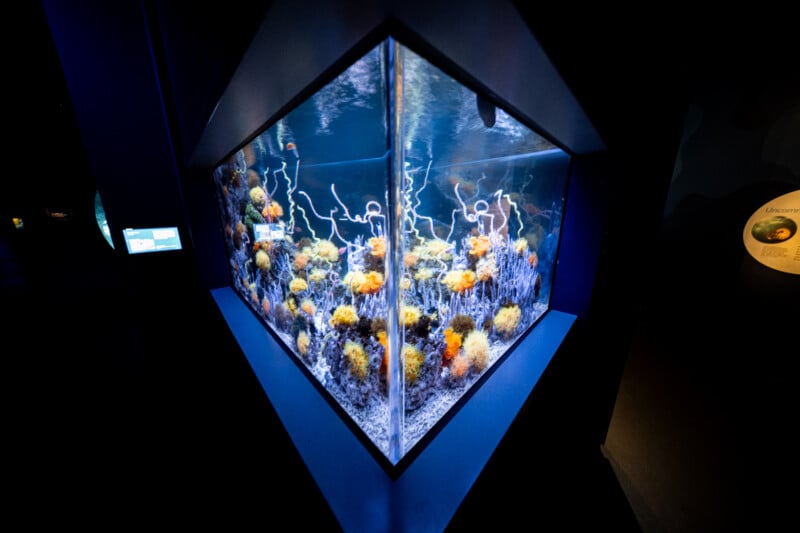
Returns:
<point x="382" y="339"/>
<point x="372" y="283"/>
<point x="453" y="343"/>
<point x="459" y="366"/>
<point x="301" y="261"/>
<point x="479" y="245"/>
<point x="308" y="306"/>
<point x="378" y="245"/>
<point x="272" y="211"/>
<point x="460" y="280"/>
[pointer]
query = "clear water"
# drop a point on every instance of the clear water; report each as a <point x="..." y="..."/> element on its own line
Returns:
<point x="465" y="264"/>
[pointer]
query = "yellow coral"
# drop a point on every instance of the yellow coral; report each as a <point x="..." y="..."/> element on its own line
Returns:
<point x="410" y="259"/>
<point x="476" y="348"/>
<point x="353" y="280"/>
<point x="411" y="315"/>
<point x="520" y="245"/>
<point x="344" y="315"/>
<point x="317" y="275"/>
<point x="423" y="274"/>
<point x="262" y="260"/>
<point x="357" y="359"/>
<point x="298" y="285"/>
<point x="258" y="196"/>
<point x="507" y="319"/>
<point x="436" y="248"/>
<point x="412" y="362"/>
<point x="326" y="250"/>
<point x="303" y="342"/>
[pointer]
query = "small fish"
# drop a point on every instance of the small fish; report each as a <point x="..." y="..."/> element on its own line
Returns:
<point x="342" y="250"/>
<point x="291" y="146"/>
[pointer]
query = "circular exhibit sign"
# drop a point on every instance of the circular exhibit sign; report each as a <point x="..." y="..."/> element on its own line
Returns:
<point x="771" y="234"/>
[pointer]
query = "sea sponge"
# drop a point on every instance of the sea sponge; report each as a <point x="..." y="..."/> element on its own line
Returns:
<point x="452" y="343"/>
<point x="412" y="362"/>
<point x="462" y="324"/>
<point x="507" y="319"/>
<point x="378" y="325"/>
<point x="459" y="280"/>
<point x="253" y="179"/>
<point x="357" y="359"/>
<point x="476" y="348"/>
<point x="344" y="315"/>
<point x="262" y="260"/>
<point x="298" y="285"/>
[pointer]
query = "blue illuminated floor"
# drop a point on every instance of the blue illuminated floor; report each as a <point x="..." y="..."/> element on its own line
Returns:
<point x="429" y="491"/>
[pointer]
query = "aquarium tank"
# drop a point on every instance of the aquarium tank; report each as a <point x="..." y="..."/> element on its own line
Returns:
<point x="397" y="232"/>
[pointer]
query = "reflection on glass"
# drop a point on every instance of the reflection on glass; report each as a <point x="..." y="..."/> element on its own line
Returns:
<point x="100" y="217"/>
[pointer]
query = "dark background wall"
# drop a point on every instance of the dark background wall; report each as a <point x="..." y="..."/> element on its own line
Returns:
<point x="700" y="114"/>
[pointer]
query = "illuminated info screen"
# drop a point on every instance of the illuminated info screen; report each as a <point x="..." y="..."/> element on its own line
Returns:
<point x="151" y="240"/>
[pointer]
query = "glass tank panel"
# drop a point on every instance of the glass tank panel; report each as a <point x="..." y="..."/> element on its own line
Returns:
<point x="397" y="232"/>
